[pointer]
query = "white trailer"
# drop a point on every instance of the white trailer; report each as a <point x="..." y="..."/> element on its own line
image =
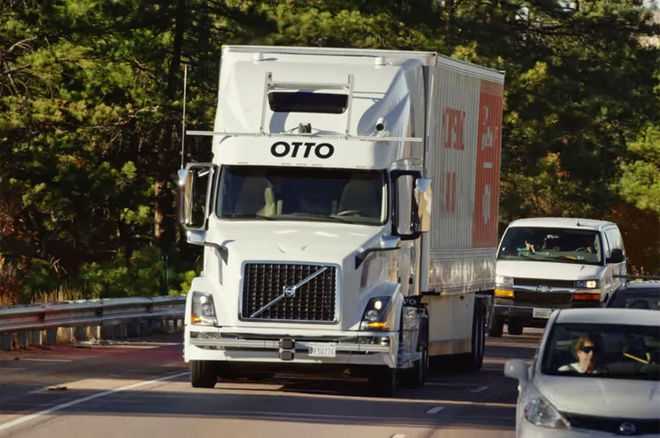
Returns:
<point x="323" y="249"/>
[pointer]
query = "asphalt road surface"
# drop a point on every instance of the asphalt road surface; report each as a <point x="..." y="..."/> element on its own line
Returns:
<point x="141" y="388"/>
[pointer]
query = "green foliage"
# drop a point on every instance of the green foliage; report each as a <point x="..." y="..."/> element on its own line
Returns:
<point x="90" y="107"/>
<point x="144" y="273"/>
<point x="640" y="179"/>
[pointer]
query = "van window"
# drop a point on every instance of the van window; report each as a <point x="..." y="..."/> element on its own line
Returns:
<point x="560" y="245"/>
<point x="614" y="239"/>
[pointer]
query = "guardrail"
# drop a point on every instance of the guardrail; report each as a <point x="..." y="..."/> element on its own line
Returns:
<point x="109" y="318"/>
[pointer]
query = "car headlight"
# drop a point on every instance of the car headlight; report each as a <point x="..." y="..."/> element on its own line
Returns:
<point x="587" y="284"/>
<point x="376" y="314"/>
<point x="540" y="412"/>
<point x="203" y="309"/>
<point x="502" y="281"/>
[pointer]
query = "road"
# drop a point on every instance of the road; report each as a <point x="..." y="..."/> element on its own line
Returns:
<point x="141" y="388"/>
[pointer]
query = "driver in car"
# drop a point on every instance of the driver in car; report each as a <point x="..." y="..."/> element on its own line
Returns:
<point x="585" y="352"/>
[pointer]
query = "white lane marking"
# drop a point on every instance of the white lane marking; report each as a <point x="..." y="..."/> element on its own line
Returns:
<point x="56" y="408"/>
<point x="479" y="389"/>
<point x="435" y="410"/>
<point x="29" y="359"/>
<point x="398" y="435"/>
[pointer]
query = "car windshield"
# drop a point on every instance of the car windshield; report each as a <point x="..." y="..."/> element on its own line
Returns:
<point x="605" y="351"/>
<point x="303" y="194"/>
<point x="562" y="245"/>
<point x="636" y="298"/>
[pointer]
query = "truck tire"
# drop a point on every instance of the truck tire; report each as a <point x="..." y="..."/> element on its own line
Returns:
<point x="415" y="377"/>
<point x="496" y="328"/>
<point x="383" y="382"/>
<point x="473" y="360"/>
<point x="204" y="374"/>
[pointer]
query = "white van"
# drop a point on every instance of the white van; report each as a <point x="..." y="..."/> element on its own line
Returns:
<point x="550" y="263"/>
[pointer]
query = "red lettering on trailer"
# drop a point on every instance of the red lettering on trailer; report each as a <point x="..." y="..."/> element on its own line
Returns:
<point x="489" y="145"/>
<point x="450" y="192"/>
<point x="453" y="124"/>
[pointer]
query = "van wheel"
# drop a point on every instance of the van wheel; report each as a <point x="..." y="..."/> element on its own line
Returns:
<point x="515" y="327"/>
<point x="496" y="328"/>
<point x="204" y="374"/>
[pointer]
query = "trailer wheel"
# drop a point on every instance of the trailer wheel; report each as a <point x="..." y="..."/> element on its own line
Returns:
<point x="204" y="374"/>
<point x="384" y="382"/>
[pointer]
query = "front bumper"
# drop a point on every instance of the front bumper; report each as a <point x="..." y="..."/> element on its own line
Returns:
<point x="535" y="314"/>
<point x="365" y="348"/>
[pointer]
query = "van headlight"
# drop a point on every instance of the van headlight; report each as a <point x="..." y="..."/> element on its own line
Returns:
<point x="377" y="314"/>
<point x="540" y="412"/>
<point x="586" y="284"/>
<point x="504" y="282"/>
<point x="202" y="309"/>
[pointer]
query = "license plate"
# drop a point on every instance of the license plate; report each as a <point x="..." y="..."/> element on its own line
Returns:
<point x="323" y="350"/>
<point x="539" y="312"/>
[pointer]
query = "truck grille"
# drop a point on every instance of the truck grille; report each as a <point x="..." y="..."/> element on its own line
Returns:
<point x="312" y="302"/>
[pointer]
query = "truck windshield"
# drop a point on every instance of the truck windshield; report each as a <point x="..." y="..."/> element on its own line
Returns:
<point x="603" y="350"/>
<point x="551" y="245"/>
<point x="304" y="194"/>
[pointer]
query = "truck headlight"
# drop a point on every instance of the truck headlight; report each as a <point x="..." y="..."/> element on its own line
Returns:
<point x="540" y="412"/>
<point x="203" y="309"/>
<point x="376" y="314"/>
<point x="587" y="284"/>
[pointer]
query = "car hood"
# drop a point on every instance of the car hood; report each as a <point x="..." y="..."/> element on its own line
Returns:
<point x="547" y="270"/>
<point x="602" y="397"/>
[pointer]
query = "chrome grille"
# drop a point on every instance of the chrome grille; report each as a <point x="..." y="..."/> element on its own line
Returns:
<point x="313" y="302"/>
<point x="534" y="282"/>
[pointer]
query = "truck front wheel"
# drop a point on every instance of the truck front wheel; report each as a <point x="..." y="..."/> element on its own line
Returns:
<point x="383" y="381"/>
<point x="204" y="374"/>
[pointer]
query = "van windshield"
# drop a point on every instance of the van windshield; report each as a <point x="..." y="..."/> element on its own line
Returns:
<point x="302" y="194"/>
<point x="559" y="245"/>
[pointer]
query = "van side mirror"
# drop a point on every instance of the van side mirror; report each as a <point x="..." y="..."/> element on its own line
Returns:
<point x="195" y="184"/>
<point x="616" y="256"/>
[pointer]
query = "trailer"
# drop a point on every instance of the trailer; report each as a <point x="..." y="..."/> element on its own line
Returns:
<point x="348" y="215"/>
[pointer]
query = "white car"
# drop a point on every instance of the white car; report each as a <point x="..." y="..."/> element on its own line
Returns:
<point x="597" y="373"/>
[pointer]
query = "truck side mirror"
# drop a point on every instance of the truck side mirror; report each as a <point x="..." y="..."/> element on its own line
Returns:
<point x="195" y="184"/>
<point x="616" y="256"/>
<point x="424" y="196"/>
<point x="405" y="213"/>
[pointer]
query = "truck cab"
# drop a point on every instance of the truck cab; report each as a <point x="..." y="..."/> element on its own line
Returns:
<point x="313" y="214"/>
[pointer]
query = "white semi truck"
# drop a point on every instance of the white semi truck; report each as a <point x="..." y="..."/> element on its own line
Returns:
<point x="322" y="246"/>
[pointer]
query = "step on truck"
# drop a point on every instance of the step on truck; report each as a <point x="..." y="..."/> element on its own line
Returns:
<point x="325" y="247"/>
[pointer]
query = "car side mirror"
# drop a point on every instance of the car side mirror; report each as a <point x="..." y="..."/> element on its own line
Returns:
<point x="616" y="257"/>
<point x="517" y="369"/>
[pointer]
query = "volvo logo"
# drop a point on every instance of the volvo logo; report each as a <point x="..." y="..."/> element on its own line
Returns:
<point x="304" y="150"/>
<point x="543" y="288"/>
<point x="627" y="429"/>
<point x="289" y="291"/>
